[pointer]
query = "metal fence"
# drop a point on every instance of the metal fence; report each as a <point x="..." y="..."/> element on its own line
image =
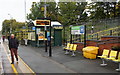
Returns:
<point x="95" y="30"/>
<point x="105" y="27"/>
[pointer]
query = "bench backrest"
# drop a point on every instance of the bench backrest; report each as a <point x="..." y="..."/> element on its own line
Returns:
<point x="68" y="45"/>
<point x="113" y="54"/>
<point x="71" y="46"/>
<point x="119" y="56"/>
<point x="105" y="52"/>
<point x="74" y="47"/>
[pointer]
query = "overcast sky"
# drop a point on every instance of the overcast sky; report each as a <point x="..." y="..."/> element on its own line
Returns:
<point x="16" y="8"/>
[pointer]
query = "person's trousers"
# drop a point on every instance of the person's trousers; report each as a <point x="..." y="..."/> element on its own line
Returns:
<point x="14" y="53"/>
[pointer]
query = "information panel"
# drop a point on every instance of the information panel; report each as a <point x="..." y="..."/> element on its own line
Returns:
<point x="42" y="22"/>
<point x="77" y="29"/>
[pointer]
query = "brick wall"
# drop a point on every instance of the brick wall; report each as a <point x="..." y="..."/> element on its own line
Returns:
<point x="106" y="46"/>
<point x="110" y="37"/>
<point x="80" y="46"/>
<point x="105" y="43"/>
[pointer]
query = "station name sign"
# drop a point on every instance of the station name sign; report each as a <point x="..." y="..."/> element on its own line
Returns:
<point x="58" y="26"/>
<point x="77" y="29"/>
<point x="42" y="22"/>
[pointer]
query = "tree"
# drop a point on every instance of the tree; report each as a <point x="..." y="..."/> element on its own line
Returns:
<point x="102" y="10"/>
<point x="118" y="9"/>
<point x="7" y="24"/>
<point x="69" y="12"/>
<point x="37" y="10"/>
<point x="64" y="12"/>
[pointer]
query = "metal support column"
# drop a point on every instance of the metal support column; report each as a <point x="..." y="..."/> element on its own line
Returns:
<point x="50" y="50"/>
<point x="84" y="35"/>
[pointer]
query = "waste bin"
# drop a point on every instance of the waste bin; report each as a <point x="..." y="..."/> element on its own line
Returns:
<point x="90" y="52"/>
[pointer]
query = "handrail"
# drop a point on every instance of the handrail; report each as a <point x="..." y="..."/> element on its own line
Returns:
<point x="103" y="33"/>
<point x="98" y="35"/>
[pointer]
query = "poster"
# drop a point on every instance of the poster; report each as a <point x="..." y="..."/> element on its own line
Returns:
<point x="41" y="35"/>
<point x="31" y="36"/>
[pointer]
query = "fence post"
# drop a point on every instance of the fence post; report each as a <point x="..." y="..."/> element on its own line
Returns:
<point x="97" y="37"/>
<point x="110" y="32"/>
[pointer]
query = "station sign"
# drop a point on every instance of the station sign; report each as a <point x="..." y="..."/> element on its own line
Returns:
<point x="58" y="26"/>
<point x="23" y="27"/>
<point x="33" y="28"/>
<point x="77" y="29"/>
<point x="42" y="22"/>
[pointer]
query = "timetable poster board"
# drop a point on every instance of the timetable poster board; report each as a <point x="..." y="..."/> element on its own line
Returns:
<point x="41" y="35"/>
<point x="31" y="36"/>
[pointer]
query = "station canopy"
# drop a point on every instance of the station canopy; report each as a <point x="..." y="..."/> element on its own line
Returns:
<point x="55" y="23"/>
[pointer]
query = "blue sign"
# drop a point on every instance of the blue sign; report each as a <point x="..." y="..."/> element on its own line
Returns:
<point x="77" y="29"/>
<point x="48" y="34"/>
<point x="23" y="27"/>
<point x="33" y="28"/>
<point x="82" y="29"/>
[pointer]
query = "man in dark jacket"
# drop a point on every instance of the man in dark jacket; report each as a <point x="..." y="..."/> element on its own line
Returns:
<point x="13" y="46"/>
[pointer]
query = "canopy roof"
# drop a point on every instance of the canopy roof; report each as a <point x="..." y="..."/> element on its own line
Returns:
<point x="55" y="23"/>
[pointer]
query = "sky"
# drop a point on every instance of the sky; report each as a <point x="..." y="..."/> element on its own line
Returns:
<point x="15" y="9"/>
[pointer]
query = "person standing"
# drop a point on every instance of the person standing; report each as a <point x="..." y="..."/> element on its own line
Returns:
<point x="3" y="37"/>
<point x="8" y="37"/>
<point x="13" y="46"/>
<point x="25" y="41"/>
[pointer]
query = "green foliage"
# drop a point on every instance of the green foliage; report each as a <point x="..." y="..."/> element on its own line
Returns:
<point x="69" y="12"/>
<point x="66" y="13"/>
<point x="116" y="48"/>
<point x="37" y="10"/>
<point x="101" y="10"/>
<point x="7" y="24"/>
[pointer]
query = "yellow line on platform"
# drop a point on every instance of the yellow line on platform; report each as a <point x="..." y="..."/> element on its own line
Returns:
<point x="27" y="66"/>
<point x="13" y="67"/>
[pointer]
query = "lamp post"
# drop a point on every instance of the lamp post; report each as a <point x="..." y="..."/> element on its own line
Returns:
<point x="45" y="12"/>
<point x="92" y="31"/>
<point x="50" y="49"/>
<point x="25" y="12"/>
<point x="10" y="23"/>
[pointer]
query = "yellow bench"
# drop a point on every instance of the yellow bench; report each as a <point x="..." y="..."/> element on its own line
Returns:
<point x="104" y="55"/>
<point x="74" y="49"/>
<point x="117" y="61"/>
<point x="71" y="47"/>
<point x="112" y="57"/>
<point x="67" y="47"/>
